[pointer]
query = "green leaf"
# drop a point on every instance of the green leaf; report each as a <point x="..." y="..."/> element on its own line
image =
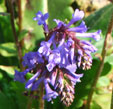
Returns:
<point x="109" y="59"/>
<point x="22" y="34"/>
<point x="2" y="6"/>
<point x="99" y="19"/>
<point x="21" y="100"/>
<point x="6" y="34"/>
<point x="94" y="105"/>
<point x="1" y="1"/>
<point x="6" y="102"/>
<point x="103" y="81"/>
<point x="1" y="76"/>
<point x="8" y="49"/>
<point x="8" y="69"/>
<point x="103" y="100"/>
<point x="78" y="104"/>
<point x="107" y="69"/>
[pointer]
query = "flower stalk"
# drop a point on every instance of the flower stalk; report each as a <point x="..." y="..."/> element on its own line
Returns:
<point x="100" y="67"/>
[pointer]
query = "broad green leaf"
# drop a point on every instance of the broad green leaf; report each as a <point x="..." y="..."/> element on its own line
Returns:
<point x="78" y="104"/>
<point x="103" y="81"/>
<point x="6" y="34"/>
<point x="2" y="6"/>
<point x="107" y="69"/>
<point x="103" y="100"/>
<point x="1" y="76"/>
<point x="22" y="34"/>
<point x="8" y="49"/>
<point x="6" y="102"/>
<point x="1" y="1"/>
<point x="94" y="105"/>
<point x="109" y="59"/>
<point x="8" y="69"/>
<point x="21" y="100"/>
<point x="100" y="19"/>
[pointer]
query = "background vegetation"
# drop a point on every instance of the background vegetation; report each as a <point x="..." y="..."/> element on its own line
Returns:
<point x="30" y="34"/>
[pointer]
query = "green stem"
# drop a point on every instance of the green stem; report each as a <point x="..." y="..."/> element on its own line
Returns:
<point x="19" y="50"/>
<point x="100" y="68"/>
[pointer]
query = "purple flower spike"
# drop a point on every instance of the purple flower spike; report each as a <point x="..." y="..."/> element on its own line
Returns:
<point x="95" y="35"/>
<point x="78" y="15"/>
<point x="50" y="94"/>
<point x="55" y="63"/>
<point x="41" y="18"/>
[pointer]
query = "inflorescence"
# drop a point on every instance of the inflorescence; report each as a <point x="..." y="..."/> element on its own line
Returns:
<point x="55" y="63"/>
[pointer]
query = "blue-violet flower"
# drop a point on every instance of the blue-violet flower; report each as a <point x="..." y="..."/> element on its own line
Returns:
<point x="55" y="63"/>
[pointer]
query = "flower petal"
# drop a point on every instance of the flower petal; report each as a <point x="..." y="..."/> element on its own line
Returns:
<point x="31" y="80"/>
<point x="78" y="15"/>
<point x="81" y="28"/>
<point x="95" y="35"/>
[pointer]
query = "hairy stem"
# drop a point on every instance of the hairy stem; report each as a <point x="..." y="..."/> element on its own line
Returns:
<point x="19" y="50"/>
<point x="99" y="70"/>
<point x="19" y="3"/>
<point x="41" y="105"/>
<point x="19" y="15"/>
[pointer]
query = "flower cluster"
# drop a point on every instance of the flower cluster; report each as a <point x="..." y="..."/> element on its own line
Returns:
<point x="55" y="63"/>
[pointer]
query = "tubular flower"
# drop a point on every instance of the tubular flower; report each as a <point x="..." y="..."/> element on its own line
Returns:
<point x="55" y="63"/>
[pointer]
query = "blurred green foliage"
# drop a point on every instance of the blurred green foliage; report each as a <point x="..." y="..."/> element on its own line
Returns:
<point x="11" y="93"/>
